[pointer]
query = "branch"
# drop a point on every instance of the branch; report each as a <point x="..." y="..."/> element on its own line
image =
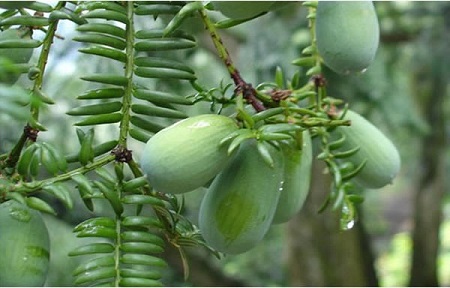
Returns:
<point x="247" y="90"/>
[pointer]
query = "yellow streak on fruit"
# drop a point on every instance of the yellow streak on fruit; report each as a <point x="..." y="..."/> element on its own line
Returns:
<point x="235" y="214"/>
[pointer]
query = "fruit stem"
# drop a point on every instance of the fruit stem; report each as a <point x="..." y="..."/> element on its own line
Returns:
<point x="247" y="90"/>
<point x="34" y="186"/>
<point x="43" y="58"/>
<point x="14" y="156"/>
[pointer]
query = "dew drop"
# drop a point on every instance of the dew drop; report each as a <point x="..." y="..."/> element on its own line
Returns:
<point x="347" y="220"/>
<point x="347" y="225"/>
<point x="281" y="187"/>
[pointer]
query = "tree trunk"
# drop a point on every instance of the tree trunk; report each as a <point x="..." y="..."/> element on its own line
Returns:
<point x="202" y="271"/>
<point x="431" y="89"/>
<point x="322" y="255"/>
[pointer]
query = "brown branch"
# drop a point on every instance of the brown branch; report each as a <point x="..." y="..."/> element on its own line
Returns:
<point x="247" y="90"/>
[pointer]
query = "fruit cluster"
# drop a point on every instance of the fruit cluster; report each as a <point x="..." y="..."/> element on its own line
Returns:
<point x="256" y="168"/>
<point x="260" y="182"/>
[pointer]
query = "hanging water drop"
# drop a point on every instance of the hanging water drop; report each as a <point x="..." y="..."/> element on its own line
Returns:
<point x="348" y="216"/>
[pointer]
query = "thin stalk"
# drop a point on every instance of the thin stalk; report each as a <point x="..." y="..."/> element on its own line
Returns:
<point x="37" y="185"/>
<point x="117" y="252"/>
<point x="14" y="156"/>
<point x="125" y="122"/>
<point x="248" y="92"/>
<point x="43" y="58"/>
<point x="127" y="98"/>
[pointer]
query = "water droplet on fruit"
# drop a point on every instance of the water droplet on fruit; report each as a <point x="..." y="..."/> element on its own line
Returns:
<point x="347" y="225"/>
<point x="281" y="187"/>
<point x="20" y="214"/>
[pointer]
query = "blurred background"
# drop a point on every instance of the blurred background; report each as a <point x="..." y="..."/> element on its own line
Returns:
<point x="402" y="236"/>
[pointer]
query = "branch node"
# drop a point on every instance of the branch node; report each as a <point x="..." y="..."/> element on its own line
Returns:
<point x="122" y="154"/>
<point x="30" y="133"/>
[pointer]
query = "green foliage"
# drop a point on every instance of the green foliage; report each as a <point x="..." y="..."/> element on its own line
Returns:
<point x="395" y="260"/>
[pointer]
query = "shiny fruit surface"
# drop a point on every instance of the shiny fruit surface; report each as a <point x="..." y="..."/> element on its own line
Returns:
<point x="24" y="246"/>
<point x="187" y="154"/>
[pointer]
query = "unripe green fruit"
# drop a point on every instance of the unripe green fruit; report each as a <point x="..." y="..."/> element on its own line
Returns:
<point x="383" y="159"/>
<point x="242" y="9"/>
<point x="297" y="178"/>
<point x="238" y="208"/>
<point x="347" y="34"/>
<point x="187" y="154"/>
<point x="14" y="4"/>
<point x="24" y="246"/>
<point x="14" y="55"/>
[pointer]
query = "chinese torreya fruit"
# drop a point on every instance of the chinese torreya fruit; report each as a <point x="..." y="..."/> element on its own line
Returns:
<point x="383" y="159"/>
<point x="24" y="246"/>
<point x="187" y="154"/>
<point x="296" y="180"/>
<point x="11" y="56"/>
<point x="238" y="208"/>
<point x="347" y="34"/>
<point x="242" y="9"/>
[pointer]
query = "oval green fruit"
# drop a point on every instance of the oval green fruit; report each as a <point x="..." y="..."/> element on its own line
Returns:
<point x="187" y="154"/>
<point x="238" y="208"/>
<point x="16" y="55"/>
<point x="383" y="158"/>
<point x="242" y="9"/>
<point x="297" y="178"/>
<point x="24" y="246"/>
<point x="347" y="34"/>
<point x="11" y="56"/>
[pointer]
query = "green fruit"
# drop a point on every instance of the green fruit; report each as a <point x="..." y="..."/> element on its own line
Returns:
<point x="242" y="9"/>
<point x="14" y="4"/>
<point x="347" y="34"/>
<point x="239" y="206"/>
<point x="187" y="154"/>
<point x="24" y="246"/>
<point x="16" y="55"/>
<point x="297" y="177"/>
<point x="383" y="159"/>
<point x="11" y="56"/>
<point x="281" y="5"/>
